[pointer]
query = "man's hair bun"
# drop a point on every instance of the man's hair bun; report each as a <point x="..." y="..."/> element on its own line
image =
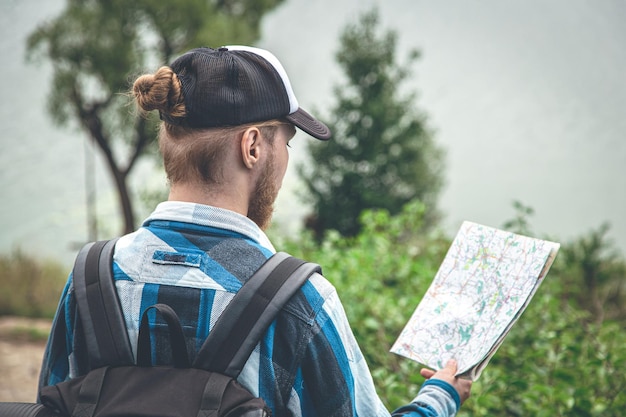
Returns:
<point x="160" y="91"/>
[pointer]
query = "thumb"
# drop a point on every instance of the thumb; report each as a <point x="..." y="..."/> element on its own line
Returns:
<point x="451" y="367"/>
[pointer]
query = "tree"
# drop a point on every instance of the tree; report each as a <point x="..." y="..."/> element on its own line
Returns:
<point x="96" y="46"/>
<point x="382" y="154"/>
<point x="594" y="275"/>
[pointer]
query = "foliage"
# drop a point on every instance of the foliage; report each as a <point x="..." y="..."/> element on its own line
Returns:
<point x="382" y="155"/>
<point x="29" y="286"/>
<point x="595" y="275"/>
<point x="556" y="361"/>
<point x="591" y="269"/>
<point x="520" y="223"/>
<point x="95" y="46"/>
<point x="553" y="364"/>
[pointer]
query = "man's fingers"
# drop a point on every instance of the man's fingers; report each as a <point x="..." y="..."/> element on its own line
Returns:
<point x="427" y="373"/>
<point x="449" y="370"/>
<point x="448" y="374"/>
<point x="451" y="367"/>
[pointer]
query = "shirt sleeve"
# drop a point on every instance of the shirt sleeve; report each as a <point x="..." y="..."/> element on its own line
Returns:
<point x="435" y="398"/>
<point x="60" y="361"/>
<point x="337" y="380"/>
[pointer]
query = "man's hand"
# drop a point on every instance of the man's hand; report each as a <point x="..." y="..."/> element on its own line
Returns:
<point x="462" y="386"/>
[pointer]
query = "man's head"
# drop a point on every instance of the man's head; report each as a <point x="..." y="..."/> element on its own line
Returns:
<point x="223" y="109"/>
<point x="236" y="85"/>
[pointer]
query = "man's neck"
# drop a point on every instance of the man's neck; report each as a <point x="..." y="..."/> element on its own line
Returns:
<point x="232" y="200"/>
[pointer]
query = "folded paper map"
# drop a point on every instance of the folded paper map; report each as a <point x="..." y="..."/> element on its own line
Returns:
<point x="483" y="285"/>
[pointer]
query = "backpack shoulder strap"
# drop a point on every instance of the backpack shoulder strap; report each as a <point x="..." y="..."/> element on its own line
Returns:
<point x="99" y="306"/>
<point x="246" y="318"/>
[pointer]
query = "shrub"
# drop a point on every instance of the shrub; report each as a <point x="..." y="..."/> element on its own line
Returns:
<point x="558" y="360"/>
<point x="29" y="286"/>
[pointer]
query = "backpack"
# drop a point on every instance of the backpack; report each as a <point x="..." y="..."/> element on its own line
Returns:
<point x="116" y="387"/>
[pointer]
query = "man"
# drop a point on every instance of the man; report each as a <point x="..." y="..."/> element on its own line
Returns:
<point x="228" y="116"/>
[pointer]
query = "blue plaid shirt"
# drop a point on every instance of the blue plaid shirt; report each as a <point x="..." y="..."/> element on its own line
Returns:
<point x="195" y="258"/>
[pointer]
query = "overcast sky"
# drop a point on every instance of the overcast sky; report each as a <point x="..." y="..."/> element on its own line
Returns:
<point x="526" y="97"/>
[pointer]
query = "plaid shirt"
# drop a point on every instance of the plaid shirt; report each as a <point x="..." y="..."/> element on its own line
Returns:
<point x="195" y="258"/>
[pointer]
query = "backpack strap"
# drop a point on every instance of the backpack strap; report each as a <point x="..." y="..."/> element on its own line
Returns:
<point x="99" y="306"/>
<point x="246" y="318"/>
<point x="180" y="357"/>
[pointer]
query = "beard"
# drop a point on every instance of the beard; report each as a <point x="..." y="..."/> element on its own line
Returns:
<point x="261" y="206"/>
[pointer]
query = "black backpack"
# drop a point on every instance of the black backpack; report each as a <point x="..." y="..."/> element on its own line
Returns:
<point x="116" y="387"/>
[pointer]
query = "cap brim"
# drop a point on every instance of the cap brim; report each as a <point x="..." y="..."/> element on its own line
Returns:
<point x="309" y="124"/>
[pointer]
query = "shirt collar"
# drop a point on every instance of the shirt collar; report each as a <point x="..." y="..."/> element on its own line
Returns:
<point x="201" y="214"/>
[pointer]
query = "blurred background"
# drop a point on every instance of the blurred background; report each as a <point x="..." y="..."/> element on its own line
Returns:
<point x="527" y="99"/>
<point x="523" y="100"/>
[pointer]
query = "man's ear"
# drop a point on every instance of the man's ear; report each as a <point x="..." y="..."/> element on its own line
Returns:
<point x="250" y="147"/>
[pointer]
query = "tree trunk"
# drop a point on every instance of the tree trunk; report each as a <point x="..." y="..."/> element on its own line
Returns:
<point x="124" y="200"/>
<point x="93" y="124"/>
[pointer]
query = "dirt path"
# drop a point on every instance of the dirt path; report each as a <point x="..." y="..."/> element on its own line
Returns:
<point x="21" y="349"/>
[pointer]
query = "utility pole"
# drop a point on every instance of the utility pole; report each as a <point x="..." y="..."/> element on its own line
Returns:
<point x="90" y="191"/>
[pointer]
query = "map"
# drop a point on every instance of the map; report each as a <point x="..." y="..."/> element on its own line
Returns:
<point x="483" y="285"/>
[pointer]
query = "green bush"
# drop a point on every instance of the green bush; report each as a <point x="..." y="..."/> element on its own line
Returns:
<point x="561" y="358"/>
<point x="558" y="360"/>
<point x="29" y="286"/>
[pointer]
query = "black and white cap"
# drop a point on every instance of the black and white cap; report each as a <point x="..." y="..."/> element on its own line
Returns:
<point x="235" y="85"/>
